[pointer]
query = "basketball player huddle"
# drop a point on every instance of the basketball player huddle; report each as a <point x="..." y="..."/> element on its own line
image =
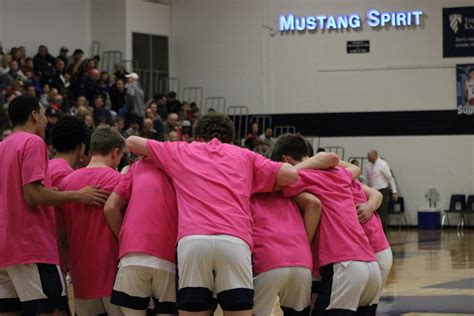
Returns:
<point x="187" y="226"/>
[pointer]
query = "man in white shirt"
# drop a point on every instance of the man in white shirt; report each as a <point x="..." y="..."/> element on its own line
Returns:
<point x="380" y="177"/>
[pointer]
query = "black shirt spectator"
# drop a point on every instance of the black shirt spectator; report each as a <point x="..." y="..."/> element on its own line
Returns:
<point x="118" y="95"/>
<point x="173" y="105"/>
<point x="101" y="114"/>
<point x="52" y="115"/>
<point x="89" y="87"/>
<point x="63" y="56"/>
<point x="58" y="80"/>
<point x="43" y="64"/>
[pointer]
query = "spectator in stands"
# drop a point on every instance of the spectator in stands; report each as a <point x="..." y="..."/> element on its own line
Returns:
<point x="185" y="112"/>
<point x="15" y="53"/>
<point x="58" y="79"/>
<point x="120" y="125"/>
<point x="118" y="97"/>
<point x="43" y="64"/>
<point x="89" y="87"/>
<point x="89" y="121"/>
<point x="161" y="105"/>
<point x="80" y="108"/>
<point x="266" y="138"/>
<point x="320" y="150"/>
<point x="63" y="56"/>
<point x="151" y="112"/>
<point x="196" y="115"/>
<point x="31" y="91"/>
<point x="186" y="131"/>
<point x="356" y="162"/>
<point x="101" y="114"/>
<point x="135" y="95"/>
<point x="52" y="115"/>
<point x="173" y="105"/>
<point x="28" y="66"/>
<point x="4" y="63"/>
<point x="104" y="82"/>
<point x="380" y="177"/>
<point x="148" y="131"/>
<point x="173" y="136"/>
<point x="22" y="55"/>
<point x="44" y="97"/>
<point x="74" y="62"/>
<point x="172" y="125"/>
<point x="32" y="81"/>
<point x="134" y="129"/>
<point x="10" y="78"/>
<point x="120" y="71"/>
<point x="251" y="139"/>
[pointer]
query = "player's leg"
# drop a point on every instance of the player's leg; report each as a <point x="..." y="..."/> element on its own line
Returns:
<point x="10" y="304"/>
<point x="234" y="281"/>
<point x="111" y="309"/>
<point x="315" y="289"/>
<point x="41" y="288"/>
<point x="164" y="292"/>
<point x="341" y="288"/>
<point x="385" y="261"/>
<point x="371" y="294"/>
<point x="296" y="294"/>
<point x="266" y="286"/>
<point x="132" y="290"/>
<point x="195" y="275"/>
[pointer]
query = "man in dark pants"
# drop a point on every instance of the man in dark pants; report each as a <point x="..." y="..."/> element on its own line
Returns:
<point x="380" y="177"/>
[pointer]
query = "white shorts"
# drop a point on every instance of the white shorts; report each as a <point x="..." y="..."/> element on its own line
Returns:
<point x="36" y="288"/>
<point x="385" y="261"/>
<point x="291" y="284"/>
<point x="136" y="285"/>
<point x="347" y="286"/>
<point x="208" y="264"/>
<point x="97" y="306"/>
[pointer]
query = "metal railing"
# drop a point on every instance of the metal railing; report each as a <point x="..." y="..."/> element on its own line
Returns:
<point x="263" y="121"/>
<point x="166" y="85"/>
<point x="193" y="94"/>
<point x="283" y="129"/>
<point x="239" y="114"/>
<point x="340" y="151"/>
<point x="217" y="103"/>
<point x="109" y="59"/>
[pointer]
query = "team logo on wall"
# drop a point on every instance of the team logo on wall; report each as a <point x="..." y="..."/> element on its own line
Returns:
<point x="454" y="20"/>
<point x="465" y="88"/>
<point x="458" y="32"/>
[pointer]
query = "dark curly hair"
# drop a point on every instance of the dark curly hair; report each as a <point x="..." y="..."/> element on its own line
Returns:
<point x="291" y="145"/>
<point x="69" y="133"/>
<point x="215" y="125"/>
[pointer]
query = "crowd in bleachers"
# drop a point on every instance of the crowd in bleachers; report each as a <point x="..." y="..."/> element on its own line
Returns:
<point x="75" y="85"/>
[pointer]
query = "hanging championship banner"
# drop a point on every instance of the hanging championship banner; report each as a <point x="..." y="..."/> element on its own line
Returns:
<point x="465" y="88"/>
<point x="458" y="32"/>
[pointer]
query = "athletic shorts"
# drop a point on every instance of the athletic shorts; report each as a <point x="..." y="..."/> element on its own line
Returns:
<point x="136" y="285"/>
<point x="385" y="260"/>
<point x="208" y="264"/>
<point x="346" y="286"/>
<point x="291" y="284"/>
<point x="97" y="306"/>
<point x="36" y="288"/>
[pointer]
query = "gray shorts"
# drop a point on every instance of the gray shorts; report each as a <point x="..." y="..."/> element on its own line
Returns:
<point x="208" y="264"/>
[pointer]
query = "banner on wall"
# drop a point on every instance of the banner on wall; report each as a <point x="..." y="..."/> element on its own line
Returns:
<point x="458" y="32"/>
<point x="465" y="88"/>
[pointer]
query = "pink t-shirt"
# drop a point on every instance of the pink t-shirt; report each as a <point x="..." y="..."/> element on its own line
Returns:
<point x="373" y="227"/>
<point x="214" y="182"/>
<point x="340" y="237"/>
<point x="27" y="234"/>
<point x="58" y="169"/>
<point x="93" y="249"/>
<point x="151" y="221"/>
<point x="279" y="235"/>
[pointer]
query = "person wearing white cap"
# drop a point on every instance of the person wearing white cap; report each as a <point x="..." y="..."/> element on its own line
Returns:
<point x="135" y="95"/>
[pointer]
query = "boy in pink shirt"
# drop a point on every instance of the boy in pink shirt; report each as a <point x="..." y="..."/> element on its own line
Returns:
<point x="373" y="228"/>
<point x="93" y="249"/>
<point x="30" y="279"/>
<point x="281" y="255"/>
<point x="214" y="181"/>
<point x="351" y="277"/>
<point x="147" y="239"/>
<point x="69" y="140"/>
